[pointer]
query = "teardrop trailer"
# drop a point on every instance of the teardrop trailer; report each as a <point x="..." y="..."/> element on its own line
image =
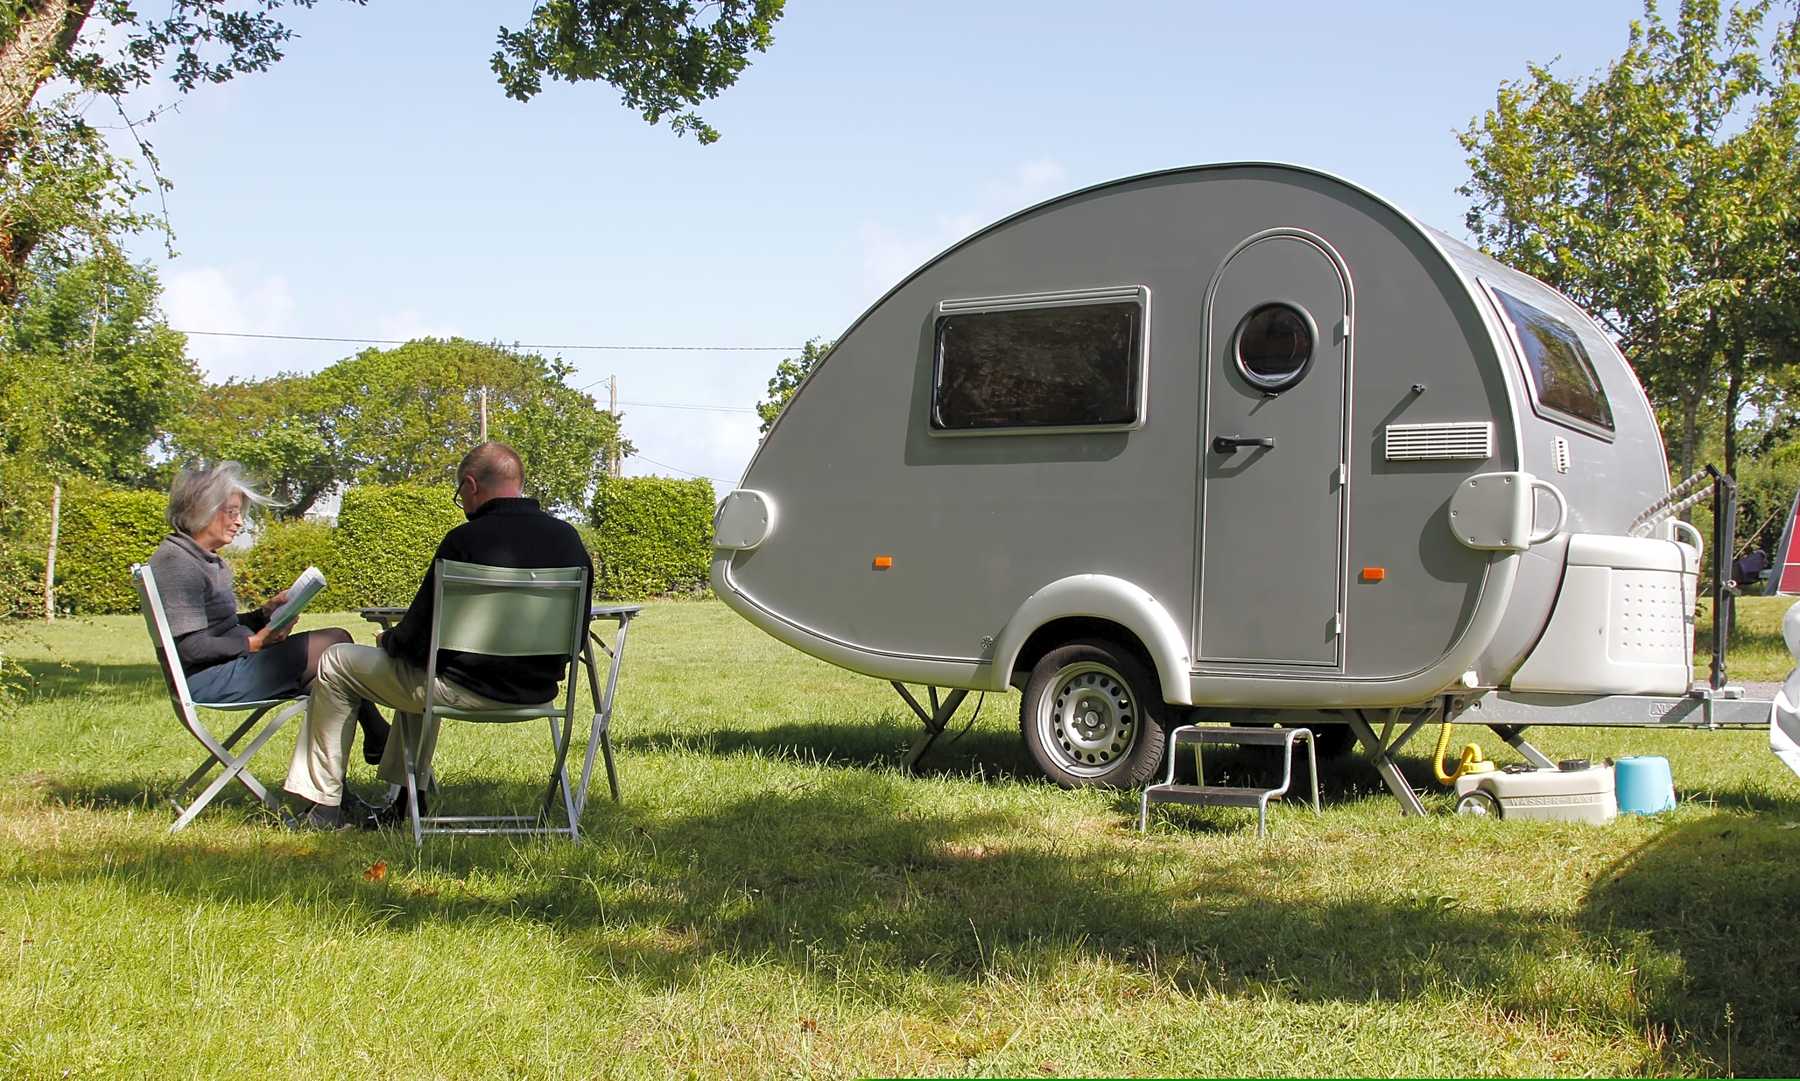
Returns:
<point x="1237" y="443"/>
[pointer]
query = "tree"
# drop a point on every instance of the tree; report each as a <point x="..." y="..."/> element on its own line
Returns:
<point x="1659" y="195"/>
<point x="280" y="428"/>
<point x="789" y="374"/>
<point x="666" y="56"/>
<point x="408" y="415"/>
<point x="92" y="376"/>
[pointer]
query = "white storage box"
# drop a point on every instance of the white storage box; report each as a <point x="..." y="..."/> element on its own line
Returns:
<point x="1623" y="621"/>
<point x="1578" y="795"/>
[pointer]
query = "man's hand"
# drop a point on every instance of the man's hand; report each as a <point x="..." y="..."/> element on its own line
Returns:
<point x="267" y="637"/>
<point x="274" y="602"/>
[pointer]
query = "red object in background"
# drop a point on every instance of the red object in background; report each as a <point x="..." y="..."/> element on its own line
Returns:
<point x="1787" y="559"/>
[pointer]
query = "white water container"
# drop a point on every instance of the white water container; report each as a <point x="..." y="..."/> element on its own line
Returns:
<point x="1556" y="795"/>
<point x="1623" y="621"/>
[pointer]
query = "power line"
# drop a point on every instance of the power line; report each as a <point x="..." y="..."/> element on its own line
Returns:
<point x="678" y="469"/>
<point x="691" y="407"/>
<point x="513" y="345"/>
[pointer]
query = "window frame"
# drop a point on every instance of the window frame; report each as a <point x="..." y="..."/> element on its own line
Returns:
<point x="1287" y="382"/>
<point x="1068" y="298"/>
<point x="1529" y="376"/>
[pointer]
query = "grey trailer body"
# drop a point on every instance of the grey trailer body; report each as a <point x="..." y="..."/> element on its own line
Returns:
<point x="1281" y="444"/>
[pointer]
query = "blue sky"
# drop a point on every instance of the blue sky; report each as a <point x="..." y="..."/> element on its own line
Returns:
<point x="376" y="184"/>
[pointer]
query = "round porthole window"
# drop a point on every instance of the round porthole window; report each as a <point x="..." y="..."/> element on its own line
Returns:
<point x="1275" y="345"/>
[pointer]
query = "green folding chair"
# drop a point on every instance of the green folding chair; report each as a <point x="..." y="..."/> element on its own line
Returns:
<point x="504" y="612"/>
<point x="235" y="767"/>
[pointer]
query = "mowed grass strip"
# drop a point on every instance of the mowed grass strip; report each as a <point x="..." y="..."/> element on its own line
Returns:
<point x="776" y="898"/>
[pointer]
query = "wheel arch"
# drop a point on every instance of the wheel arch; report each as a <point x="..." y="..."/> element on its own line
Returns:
<point x="1097" y="606"/>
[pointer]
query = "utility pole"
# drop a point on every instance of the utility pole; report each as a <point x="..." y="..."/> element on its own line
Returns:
<point x="484" y="413"/>
<point x="50" y="563"/>
<point x="612" y="384"/>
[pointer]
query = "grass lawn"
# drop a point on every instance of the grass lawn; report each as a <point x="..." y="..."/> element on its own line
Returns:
<point x="775" y="898"/>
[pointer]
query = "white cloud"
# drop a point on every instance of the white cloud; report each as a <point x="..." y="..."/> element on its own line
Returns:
<point x="221" y="299"/>
<point x="409" y="323"/>
<point x="892" y="252"/>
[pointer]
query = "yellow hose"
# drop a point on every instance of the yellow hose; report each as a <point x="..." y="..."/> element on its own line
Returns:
<point x="1469" y="762"/>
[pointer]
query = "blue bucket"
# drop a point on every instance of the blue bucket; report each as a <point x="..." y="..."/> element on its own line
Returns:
<point x="1644" y="784"/>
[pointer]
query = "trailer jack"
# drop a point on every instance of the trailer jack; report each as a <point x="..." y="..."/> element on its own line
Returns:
<point x="936" y="720"/>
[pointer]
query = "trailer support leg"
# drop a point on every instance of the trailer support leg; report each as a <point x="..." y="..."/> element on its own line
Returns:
<point x="936" y="719"/>
<point x="1382" y="756"/>
<point x="1515" y="735"/>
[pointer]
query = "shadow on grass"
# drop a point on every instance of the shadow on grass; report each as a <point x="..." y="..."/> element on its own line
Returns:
<point x="52" y="680"/>
<point x="849" y="878"/>
<point x="852" y="877"/>
<point x="1720" y="897"/>
<point x="879" y="742"/>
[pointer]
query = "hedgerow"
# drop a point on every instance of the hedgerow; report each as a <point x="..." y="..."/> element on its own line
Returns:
<point x="654" y="536"/>
<point x="104" y="531"/>
<point x="384" y="542"/>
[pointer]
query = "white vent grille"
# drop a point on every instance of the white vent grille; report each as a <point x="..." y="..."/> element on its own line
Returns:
<point x="1473" y="440"/>
<point x="1562" y="455"/>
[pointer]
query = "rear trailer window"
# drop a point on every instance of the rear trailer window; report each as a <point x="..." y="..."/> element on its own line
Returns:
<point x="1563" y="378"/>
<point x="1067" y="366"/>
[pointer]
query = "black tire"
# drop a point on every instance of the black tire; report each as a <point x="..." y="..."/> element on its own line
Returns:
<point x="1092" y="716"/>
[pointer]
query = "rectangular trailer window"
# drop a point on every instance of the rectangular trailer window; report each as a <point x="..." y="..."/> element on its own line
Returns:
<point x="1563" y="378"/>
<point x="1062" y="365"/>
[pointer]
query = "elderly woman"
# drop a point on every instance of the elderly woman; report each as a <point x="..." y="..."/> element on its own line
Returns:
<point x="232" y="656"/>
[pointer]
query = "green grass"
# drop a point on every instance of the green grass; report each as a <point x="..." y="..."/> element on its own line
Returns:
<point x="776" y="898"/>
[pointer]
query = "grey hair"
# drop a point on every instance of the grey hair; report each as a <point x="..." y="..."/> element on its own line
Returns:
<point x="200" y="490"/>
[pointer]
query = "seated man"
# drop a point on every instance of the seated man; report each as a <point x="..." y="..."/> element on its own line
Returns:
<point x="504" y="530"/>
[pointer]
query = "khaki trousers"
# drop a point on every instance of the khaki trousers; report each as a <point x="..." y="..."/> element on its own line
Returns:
<point x="348" y="674"/>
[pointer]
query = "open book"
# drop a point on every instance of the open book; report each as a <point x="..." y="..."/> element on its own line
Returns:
<point x="304" y="589"/>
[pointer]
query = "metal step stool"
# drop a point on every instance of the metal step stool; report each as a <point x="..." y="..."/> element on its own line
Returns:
<point x="1203" y="794"/>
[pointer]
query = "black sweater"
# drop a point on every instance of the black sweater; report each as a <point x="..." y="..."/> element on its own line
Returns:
<point x="501" y="533"/>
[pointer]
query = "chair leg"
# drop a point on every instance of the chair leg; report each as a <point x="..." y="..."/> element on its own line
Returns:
<point x="412" y="780"/>
<point x="205" y="767"/>
<point x="236" y="768"/>
<point x="559" y="774"/>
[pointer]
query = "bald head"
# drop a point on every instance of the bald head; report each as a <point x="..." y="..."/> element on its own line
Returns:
<point x="490" y="471"/>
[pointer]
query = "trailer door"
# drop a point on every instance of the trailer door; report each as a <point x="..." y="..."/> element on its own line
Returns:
<point x="1272" y="456"/>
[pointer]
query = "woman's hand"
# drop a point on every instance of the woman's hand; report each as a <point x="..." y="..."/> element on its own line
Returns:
<point x="274" y="602"/>
<point x="267" y="637"/>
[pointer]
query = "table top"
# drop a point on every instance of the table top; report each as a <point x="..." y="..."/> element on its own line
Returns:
<point x="379" y="614"/>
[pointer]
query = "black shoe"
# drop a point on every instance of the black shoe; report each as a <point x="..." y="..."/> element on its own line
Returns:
<point x="375" y="734"/>
<point x="396" y="813"/>
<point x="324" y="818"/>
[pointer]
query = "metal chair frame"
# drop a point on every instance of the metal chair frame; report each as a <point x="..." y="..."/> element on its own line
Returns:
<point x="559" y="583"/>
<point x="236" y="767"/>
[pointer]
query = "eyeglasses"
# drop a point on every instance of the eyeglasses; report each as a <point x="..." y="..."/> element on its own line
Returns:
<point x="234" y="514"/>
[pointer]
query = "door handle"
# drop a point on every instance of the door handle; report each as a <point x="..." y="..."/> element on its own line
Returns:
<point x="1229" y="444"/>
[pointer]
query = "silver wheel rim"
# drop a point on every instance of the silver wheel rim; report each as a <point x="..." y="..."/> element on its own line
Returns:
<point x="1089" y="720"/>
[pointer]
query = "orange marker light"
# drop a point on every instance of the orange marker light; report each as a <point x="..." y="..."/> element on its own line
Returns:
<point x="883" y="562"/>
<point x="1374" y="574"/>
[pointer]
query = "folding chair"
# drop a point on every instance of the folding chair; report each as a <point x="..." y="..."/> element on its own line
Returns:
<point x="504" y="612"/>
<point x="236" y="767"/>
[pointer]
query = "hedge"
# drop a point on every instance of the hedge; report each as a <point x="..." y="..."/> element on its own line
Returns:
<point x="103" y="532"/>
<point x="24" y="534"/>
<point x="385" y="539"/>
<point x="282" y="550"/>
<point x="655" y="536"/>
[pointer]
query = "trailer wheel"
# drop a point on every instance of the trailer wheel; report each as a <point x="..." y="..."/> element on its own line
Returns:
<point x="1092" y="717"/>
<point x="1479" y="803"/>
